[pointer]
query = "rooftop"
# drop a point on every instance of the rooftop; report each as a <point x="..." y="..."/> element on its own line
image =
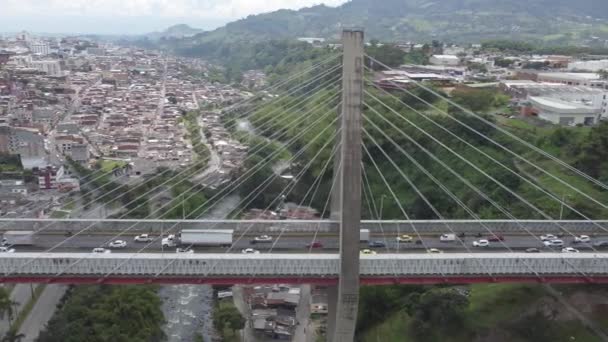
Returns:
<point x="446" y="57"/>
<point x="565" y="107"/>
<point x="575" y="76"/>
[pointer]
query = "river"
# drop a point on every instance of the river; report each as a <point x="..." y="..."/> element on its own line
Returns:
<point x="188" y="309"/>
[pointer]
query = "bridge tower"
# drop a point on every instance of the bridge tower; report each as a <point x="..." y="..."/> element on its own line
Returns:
<point x="346" y="201"/>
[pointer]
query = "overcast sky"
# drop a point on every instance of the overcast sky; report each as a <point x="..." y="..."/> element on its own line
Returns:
<point x="132" y="16"/>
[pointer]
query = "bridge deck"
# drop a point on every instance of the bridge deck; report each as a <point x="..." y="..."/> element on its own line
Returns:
<point x="301" y="268"/>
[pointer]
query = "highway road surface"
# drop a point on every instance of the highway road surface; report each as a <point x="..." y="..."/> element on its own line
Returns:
<point x="297" y="243"/>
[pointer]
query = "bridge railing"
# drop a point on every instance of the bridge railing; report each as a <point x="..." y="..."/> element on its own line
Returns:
<point x="301" y="265"/>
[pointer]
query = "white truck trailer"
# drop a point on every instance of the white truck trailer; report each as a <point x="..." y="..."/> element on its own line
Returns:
<point x="364" y="235"/>
<point x="200" y="237"/>
<point x="447" y="238"/>
<point x="18" y="238"/>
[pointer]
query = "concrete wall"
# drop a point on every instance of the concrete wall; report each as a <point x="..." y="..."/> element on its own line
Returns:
<point x="568" y="119"/>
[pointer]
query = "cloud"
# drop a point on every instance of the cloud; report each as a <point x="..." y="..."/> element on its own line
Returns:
<point x="225" y="9"/>
<point x="133" y="16"/>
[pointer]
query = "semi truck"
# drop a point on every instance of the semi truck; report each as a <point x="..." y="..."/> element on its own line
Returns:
<point x="200" y="237"/>
<point x="18" y="238"/>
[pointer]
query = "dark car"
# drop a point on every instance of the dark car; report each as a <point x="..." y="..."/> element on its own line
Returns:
<point x="376" y="244"/>
<point x="496" y="238"/>
<point x="316" y="244"/>
<point x="601" y="244"/>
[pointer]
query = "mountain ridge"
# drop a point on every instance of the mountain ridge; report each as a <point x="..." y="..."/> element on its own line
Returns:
<point x="424" y="19"/>
<point x="175" y="31"/>
<point x="544" y="22"/>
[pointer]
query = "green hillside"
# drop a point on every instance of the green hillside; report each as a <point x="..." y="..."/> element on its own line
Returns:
<point x="487" y="313"/>
<point x="544" y="22"/>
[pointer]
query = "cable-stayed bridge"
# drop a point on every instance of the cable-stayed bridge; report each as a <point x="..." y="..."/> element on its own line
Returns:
<point x="353" y="147"/>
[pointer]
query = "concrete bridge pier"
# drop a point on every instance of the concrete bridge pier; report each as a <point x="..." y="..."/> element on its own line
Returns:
<point x="348" y="205"/>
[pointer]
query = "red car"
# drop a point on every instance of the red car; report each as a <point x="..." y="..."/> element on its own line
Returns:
<point x="316" y="244"/>
<point x="496" y="238"/>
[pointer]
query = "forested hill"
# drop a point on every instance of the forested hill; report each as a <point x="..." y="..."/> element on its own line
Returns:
<point x="175" y="31"/>
<point x="454" y="20"/>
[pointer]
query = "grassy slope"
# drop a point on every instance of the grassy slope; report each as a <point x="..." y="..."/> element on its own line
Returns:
<point x="392" y="329"/>
<point x="494" y="303"/>
<point x="529" y="132"/>
<point x="490" y="306"/>
<point x="108" y="165"/>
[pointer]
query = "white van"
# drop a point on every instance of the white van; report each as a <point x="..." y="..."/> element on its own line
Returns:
<point x="447" y="238"/>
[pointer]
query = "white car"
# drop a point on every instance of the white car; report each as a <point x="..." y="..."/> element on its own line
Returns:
<point x="368" y="252"/>
<point x="554" y="243"/>
<point x="434" y="251"/>
<point x="481" y="243"/>
<point x="582" y="239"/>
<point x="101" y="251"/>
<point x="7" y="250"/>
<point x="569" y="250"/>
<point x="143" y="238"/>
<point x="548" y="237"/>
<point x="118" y="244"/>
<point x="184" y="251"/>
<point x="250" y="251"/>
<point x="262" y="238"/>
<point x="405" y="238"/>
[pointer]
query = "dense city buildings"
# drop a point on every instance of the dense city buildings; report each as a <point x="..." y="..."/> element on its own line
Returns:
<point x="75" y="100"/>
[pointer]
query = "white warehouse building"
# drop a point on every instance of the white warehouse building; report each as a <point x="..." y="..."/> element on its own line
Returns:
<point x="562" y="112"/>
<point x="594" y="66"/>
<point x="444" y="60"/>
<point x="573" y="78"/>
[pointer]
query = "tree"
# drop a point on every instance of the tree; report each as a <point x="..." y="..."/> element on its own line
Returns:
<point x="376" y="301"/>
<point x="419" y="97"/>
<point x="503" y="62"/>
<point x="416" y="57"/>
<point x="437" y="47"/>
<point x="262" y="177"/>
<point x="228" y="317"/>
<point x="6" y="305"/>
<point x="536" y="65"/>
<point x="473" y="99"/>
<point x="237" y="322"/>
<point x="12" y="336"/>
<point x="388" y="54"/>
<point x="603" y="74"/>
<point x="594" y="153"/>
<point x="107" y="313"/>
<point x="508" y="45"/>
<point x="437" y="311"/>
<point x="478" y="67"/>
<point x="537" y="327"/>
